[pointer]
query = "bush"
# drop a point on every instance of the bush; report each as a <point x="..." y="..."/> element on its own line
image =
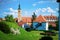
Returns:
<point x="4" y="27"/>
<point x="50" y="27"/>
<point x="9" y="18"/>
<point x="28" y="29"/>
<point x="46" y="38"/>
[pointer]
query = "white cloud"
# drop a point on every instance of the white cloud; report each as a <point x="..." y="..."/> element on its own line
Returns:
<point x="57" y="9"/>
<point x="15" y="13"/>
<point x="34" y="4"/>
<point x="11" y="12"/>
<point x="44" y="11"/>
<point x="50" y="10"/>
<point x="37" y="10"/>
<point x="29" y="13"/>
<point x="40" y="2"/>
<point x="11" y="9"/>
<point x="25" y="13"/>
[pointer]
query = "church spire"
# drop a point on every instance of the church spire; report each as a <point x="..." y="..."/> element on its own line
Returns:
<point x="19" y="13"/>
<point x="19" y="7"/>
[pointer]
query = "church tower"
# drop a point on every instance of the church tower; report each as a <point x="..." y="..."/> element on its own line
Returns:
<point x="19" y="13"/>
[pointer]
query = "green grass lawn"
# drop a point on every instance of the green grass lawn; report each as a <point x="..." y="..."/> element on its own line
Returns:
<point x="24" y="35"/>
<point x="33" y="35"/>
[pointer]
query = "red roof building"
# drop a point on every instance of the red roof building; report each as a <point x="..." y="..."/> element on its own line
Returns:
<point x="40" y="18"/>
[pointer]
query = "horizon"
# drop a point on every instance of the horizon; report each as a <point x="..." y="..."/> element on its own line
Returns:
<point x="44" y="8"/>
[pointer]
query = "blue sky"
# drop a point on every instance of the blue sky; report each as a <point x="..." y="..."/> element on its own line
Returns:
<point x="9" y="7"/>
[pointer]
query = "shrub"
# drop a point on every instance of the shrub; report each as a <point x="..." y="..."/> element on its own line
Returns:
<point x="28" y="29"/>
<point x="9" y="18"/>
<point x="4" y="27"/>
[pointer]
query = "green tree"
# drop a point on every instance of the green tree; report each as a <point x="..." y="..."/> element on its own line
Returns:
<point x="33" y="18"/>
<point x="4" y="27"/>
<point x="55" y="28"/>
<point x="9" y="18"/>
<point x="57" y="25"/>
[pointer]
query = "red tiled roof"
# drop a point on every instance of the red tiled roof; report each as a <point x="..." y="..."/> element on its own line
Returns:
<point x="40" y="18"/>
<point x="50" y="17"/>
<point x="26" y="19"/>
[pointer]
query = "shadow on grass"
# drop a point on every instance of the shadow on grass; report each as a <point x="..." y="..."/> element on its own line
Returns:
<point x="46" y="38"/>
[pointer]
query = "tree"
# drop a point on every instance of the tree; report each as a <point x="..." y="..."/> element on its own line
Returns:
<point x="4" y="27"/>
<point x="9" y="18"/>
<point x="50" y="27"/>
<point x="54" y="28"/>
<point x="33" y="18"/>
<point x="57" y="25"/>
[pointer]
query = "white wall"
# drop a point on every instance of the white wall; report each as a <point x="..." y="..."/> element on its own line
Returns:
<point x="46" y="25"/>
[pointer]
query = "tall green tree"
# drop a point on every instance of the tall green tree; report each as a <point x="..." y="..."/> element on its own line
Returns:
<point x="33" y="18"/>
<point x="57" y="25"/>
<point x="9" y="18"/>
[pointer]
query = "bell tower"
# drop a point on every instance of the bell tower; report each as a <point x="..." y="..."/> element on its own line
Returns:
<point x="19" y="13"/>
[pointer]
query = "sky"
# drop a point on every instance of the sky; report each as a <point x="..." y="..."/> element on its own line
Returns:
<point x="40" y="7"/>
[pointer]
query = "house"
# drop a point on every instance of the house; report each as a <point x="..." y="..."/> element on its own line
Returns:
<point x="40" y="23"/>
<point x="51" y="19"/>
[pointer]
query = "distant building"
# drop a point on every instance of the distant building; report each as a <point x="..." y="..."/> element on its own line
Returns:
<point x="51" y="18"/>
<point x="2" y="19"/>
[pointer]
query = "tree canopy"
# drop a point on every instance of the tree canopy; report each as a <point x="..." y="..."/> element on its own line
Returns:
<point x="9" y="18"/>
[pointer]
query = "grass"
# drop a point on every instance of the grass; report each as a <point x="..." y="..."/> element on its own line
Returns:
<point x="24" y="35"/>
<point x="12" y="24"/>
<point x="33" y="35"/>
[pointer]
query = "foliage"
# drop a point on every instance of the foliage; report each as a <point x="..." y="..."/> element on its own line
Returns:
<point x="57" y="25"/>
<point x="9" y="18"/>
<point x="12" y="24"/>
<point x="55" y="28"/>
<point x="50" y="27"/>
<point x="28" y="29"/>
<point x="46" y="38"/>
<point x="33" y="18"/>
<point x="4" y="27"/>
